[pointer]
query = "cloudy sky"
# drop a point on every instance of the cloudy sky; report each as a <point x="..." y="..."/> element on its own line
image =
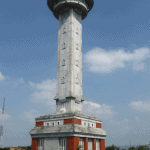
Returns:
<point x="116" y="67"/>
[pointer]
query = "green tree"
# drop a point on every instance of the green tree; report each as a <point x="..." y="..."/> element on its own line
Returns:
<point x="132" y="148"/>
<point x="25" y="147"/>
<point x="142" y="147"/>
<point x="6" y="148"/>
<point x="78" y="147"/>
<point x="113" y="147"/>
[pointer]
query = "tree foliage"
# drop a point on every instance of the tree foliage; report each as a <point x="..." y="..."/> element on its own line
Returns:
<point x="19" y="147"/>
<point x="142" y="147"/>
<point x="25" y="148"/>
<point x="113" y="147"/>
<point x="132" y="148"/>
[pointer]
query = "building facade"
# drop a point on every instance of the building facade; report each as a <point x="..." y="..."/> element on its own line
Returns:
<point x="69" y="126"/>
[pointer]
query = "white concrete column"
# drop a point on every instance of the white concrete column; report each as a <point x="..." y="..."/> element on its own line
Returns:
<point x="69" y="63"/>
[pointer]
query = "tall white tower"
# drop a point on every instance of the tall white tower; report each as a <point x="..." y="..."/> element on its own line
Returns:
<point x="69" y="65"/>
<point x="69" y="126"/>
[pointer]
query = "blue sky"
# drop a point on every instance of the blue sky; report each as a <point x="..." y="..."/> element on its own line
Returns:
<point x="116" y="67"/>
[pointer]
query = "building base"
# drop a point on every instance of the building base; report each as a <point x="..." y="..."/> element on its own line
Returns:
<point x="67" y="132"/>
<point x="69" y="143"/>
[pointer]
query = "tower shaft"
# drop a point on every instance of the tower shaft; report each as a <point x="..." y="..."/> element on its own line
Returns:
<point x="69" y="64"/>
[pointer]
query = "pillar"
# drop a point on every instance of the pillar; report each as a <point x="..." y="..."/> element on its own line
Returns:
<point x="34" y="145"/>
<point x="98" y="125"/>
<point x="86" y="144"/>
<point x="39" y="124"/>
<point x="72" y="143"/>
<point x="72" y="121"/>
<point x="94" y="144"/>
<point x="102" y="144"/>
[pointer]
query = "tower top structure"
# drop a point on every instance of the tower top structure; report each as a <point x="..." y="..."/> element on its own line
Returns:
<point x="80" y="6"/>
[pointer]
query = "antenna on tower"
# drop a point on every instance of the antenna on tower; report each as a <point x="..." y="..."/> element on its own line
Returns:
<point x="1" y="126"/>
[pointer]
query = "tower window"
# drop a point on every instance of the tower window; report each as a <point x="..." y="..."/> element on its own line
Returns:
<point x="47" y="124"/>
<point x="85" y="123"/>
<point x="92" y="125"/>
<point x="41" y="144"/>
<point x="88" y="124"/>
<point x="53" y="123"/>
<point x="58" y="123"/>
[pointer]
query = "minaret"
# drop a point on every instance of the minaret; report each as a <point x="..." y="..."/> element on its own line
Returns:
<point x="70" y="14"/>
<point x="69" y="127"/>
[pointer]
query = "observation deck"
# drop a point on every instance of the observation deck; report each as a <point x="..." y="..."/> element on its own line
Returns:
<point x="80" y="6"/>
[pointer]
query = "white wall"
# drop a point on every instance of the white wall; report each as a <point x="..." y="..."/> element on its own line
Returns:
<point x="51" y="144"/>
<point x="55" y="122"/>
<point x="88" y="121"/>
<point x="90" y="144"/>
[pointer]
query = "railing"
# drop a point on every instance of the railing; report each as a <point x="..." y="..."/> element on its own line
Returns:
<point x="82" y="1"/>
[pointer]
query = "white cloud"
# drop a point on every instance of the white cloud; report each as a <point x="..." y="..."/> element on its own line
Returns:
<point x="123" y="125"/>
<point x="102" y="61"/>
<point x="45" y="92"/>
<point x="103" y="111"/>
<point x="119" y="123"/>
<point x="93" y="104"/>
<point x="31" y="115"/>
<point x="1" y="77"/>
<point x="137" y="118"/>
<point x="140" y="105"/>
<point x="4" y="116"/>
<point x="19" y="81"/>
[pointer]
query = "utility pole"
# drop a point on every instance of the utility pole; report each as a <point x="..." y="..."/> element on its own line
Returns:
<point x="1" y="126"/>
